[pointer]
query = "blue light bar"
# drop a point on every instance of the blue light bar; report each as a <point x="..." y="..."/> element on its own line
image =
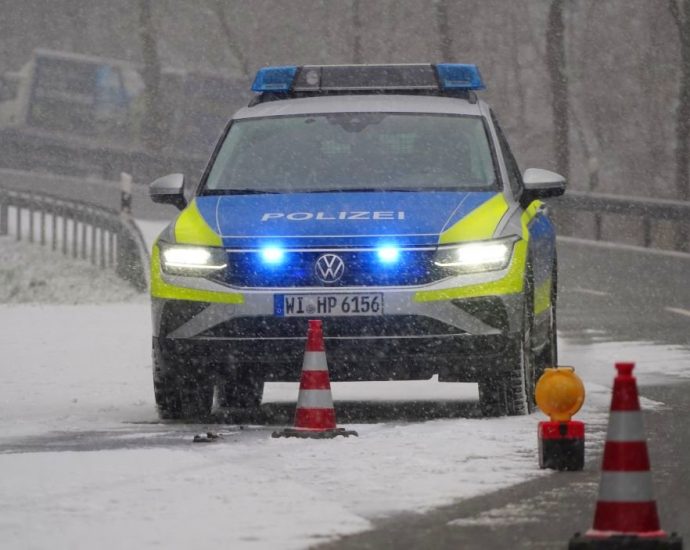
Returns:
<point x="344" y="78"/>
<point x="457" y="76"/>
<point x="274" y="79"/>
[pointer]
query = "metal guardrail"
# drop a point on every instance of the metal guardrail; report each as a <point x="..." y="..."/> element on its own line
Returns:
<point x="647" y="209"/>
<point x="78" y="229"/>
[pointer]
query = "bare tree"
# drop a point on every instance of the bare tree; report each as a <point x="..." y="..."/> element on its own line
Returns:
<point x="680" y="10"/>
<point x="152" y="128"/>
<point x="555" y="60"/>
<point x="218" y="7"/>
<point x="356" y="32"/>
<point x="445" y="41"/>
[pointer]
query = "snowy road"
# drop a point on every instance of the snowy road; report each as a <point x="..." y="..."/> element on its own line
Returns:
<point x="85" y="462"/>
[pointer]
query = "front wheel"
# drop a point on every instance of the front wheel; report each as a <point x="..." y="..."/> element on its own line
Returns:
<point x="512" y="391"/>
<point x="548" y="356"/>
<point x="506" y="392"/>
<point x="243" y="390"/>
<point x="181" y="393"/>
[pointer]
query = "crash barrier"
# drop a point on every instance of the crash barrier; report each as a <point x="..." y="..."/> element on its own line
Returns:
<point x="80" y="230"/>
<point x="650" y="212"/>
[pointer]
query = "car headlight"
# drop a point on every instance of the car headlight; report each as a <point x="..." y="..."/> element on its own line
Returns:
<point x="476" y="256"/>
<point x="192" y="260"/>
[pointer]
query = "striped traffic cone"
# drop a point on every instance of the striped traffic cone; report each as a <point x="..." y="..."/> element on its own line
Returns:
<point x="315" y="414"/>
<point x="626" y="514"/>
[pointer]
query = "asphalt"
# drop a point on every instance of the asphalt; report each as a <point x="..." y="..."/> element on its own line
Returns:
<point x="606" y="293"/>
<point x="547" y="512"/>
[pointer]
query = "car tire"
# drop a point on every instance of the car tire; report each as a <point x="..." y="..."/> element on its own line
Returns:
<point x="180" y="395"/>
<point x="493" y="399"/>
<point x="512" y="392"/>
<point x="524" y="377"/>
<point x="548" y="356"/>
<point x="244" y="390"/>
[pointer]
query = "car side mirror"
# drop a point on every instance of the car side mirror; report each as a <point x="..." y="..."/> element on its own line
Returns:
<point x="169" y="190"/>
<point x="542" y="184"/>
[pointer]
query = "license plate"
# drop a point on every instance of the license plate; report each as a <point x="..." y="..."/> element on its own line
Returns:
<point x="305" y="305"/>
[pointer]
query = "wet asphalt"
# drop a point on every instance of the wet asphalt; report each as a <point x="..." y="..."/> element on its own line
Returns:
<point x="546" y="513"/>
<point x="605" y="294"/>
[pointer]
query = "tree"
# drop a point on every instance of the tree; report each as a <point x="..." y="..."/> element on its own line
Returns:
<point x="445" y="41"/>
<point x="356" y="33"/>
<point x="218" y="7"/>
<point x="680" y="10"/>
<point x="556" y="65"/>
<point x="152" y="127"/>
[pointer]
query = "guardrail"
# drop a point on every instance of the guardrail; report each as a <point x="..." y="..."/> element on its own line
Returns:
<point x="78" y="229"/>
<point x="648" y="211"/>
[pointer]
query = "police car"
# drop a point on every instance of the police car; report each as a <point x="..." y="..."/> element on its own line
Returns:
<point x="383" y="200"/>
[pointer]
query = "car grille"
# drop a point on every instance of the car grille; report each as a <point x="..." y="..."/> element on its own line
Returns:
<point x="334" y="327"/>
<point x="362" y="268"/>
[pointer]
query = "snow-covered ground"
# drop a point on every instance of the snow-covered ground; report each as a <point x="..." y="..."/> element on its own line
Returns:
<point x="35" y="274"/>
<point x="85" y="369"/>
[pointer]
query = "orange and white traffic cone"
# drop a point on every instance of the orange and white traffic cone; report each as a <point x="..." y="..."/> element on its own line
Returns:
<point x="315" y="414"/>
<point x="626" y="514"/>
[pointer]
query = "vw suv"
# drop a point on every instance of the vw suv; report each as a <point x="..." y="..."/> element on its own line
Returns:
<point x="383" y="200"/>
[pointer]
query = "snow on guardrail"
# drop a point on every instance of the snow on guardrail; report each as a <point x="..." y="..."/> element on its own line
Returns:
<point x="79" y="230"/>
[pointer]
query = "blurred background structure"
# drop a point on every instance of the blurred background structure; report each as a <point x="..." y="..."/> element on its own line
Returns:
<point x="599" y="91"/>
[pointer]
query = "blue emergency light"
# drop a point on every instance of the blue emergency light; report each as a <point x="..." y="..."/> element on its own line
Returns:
<point x="457" y="76"/>
<point x="343" y="78"/>
<point x="274" y="79"/>
<point x="272" y="255"/>
<point x="388" y="254"/>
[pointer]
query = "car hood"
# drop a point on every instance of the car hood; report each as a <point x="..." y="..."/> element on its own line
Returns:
<point x="341" y="218"/>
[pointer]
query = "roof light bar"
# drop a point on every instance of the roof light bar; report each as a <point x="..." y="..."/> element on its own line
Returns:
<point x="324" y="78"/>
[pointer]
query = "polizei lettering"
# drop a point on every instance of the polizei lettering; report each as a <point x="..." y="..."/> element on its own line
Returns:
<point x="322" y="216"/>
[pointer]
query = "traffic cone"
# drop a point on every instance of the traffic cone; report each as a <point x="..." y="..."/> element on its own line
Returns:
<point x="315" y="414"/>
<point x="626" y="514"/>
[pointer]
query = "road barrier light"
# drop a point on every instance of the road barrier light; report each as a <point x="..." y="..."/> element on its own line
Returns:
<point x="560" y="394"/>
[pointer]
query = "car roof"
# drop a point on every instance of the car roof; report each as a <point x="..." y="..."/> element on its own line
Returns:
<point x="356" y="103"/>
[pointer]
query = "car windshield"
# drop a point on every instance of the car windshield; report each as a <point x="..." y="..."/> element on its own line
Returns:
<point x="354" y="151"/>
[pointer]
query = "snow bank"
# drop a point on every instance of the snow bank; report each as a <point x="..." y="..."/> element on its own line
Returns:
<point x="30" y="273"/>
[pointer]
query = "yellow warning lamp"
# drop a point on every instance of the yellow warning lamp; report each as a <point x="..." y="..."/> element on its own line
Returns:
<point x="560" y="393"/>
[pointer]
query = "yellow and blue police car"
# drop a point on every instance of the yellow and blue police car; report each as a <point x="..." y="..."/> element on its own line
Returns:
<point x="383" y="200"/>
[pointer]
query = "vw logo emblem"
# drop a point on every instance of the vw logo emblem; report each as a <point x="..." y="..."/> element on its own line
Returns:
<point x="329" y="268"/>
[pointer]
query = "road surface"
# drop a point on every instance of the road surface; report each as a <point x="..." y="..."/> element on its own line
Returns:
<point x="80" y="441"/>
<point x="650" y="303"/>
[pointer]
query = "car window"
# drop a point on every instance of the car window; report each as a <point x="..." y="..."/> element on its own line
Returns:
<point x="344" y="151"/>
<point x="514" y="175"/>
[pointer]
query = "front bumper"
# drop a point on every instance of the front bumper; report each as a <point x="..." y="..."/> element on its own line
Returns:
<point x="457" y="327"/>
<point x="462" y="358"/>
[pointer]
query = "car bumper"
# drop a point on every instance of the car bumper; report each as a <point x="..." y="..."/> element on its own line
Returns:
<point x="454" y="358"/>
<point x="455" y="327"/>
